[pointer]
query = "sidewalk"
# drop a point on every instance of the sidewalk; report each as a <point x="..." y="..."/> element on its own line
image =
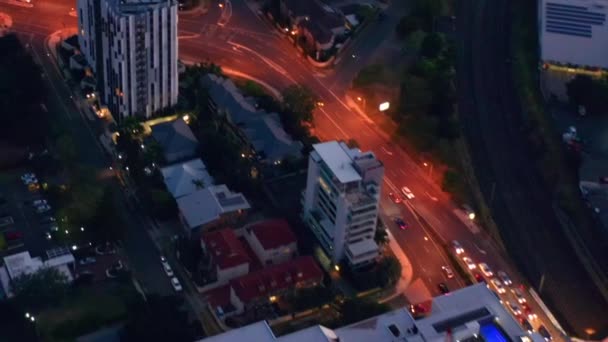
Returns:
<point x="407" y="272"/>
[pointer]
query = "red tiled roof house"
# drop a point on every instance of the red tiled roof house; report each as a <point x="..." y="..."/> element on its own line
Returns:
<point x="272" y="241"/>
<point x="227" y="254"/>
<point x="267" y="284"/>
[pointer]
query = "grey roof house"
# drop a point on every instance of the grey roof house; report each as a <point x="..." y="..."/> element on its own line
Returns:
<point x="176" y="139"/>
<point x="260" y="130"/>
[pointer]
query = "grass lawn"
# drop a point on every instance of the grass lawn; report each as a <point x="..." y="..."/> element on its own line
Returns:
<point x="84" y="311"/>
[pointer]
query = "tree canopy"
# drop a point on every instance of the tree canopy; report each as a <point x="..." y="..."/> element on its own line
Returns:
<point x="160" y="319"/>
<point x="40" y="289"/>
<point x="590" y="93"/>
<point x="299" y="102"/>
<point x="14" y="325"/>
<point x="357" y="309"/>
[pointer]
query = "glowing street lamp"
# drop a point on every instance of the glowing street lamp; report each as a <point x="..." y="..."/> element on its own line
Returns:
<point x="384" y="106"/>
<point x="471" y="216"/>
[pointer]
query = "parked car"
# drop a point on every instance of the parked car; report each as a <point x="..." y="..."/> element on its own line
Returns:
<point x="526" y="324"/>
<point x="498" y="285"/>
<point x="13" y="235"/>
<point x="447" y="271"/>
<point x="394" y="197"/>
<point x="29" y="178"/>
<point x="168" y="269"/>
<point x="163" y="259"/>
<point x="457" y="247"/>
<point x="176" y="284"/>
<point x="479" y="277"/>
<point x="39" y="202"/>
<point x="87" y="261"/>
<point x="518" y="295"/>
<point x="469" y="262"/>
<point x="486" y="270"/>
<point x="400" y="223"/>
<point x="544" y="333"/>
<point x="528" y="312"/>
<point x="417" y="310"/>
<point x="43" y="208"/>
<point x="504" y="278"/>
<point x="443" y="288"/>
<point x="407" y="193"/>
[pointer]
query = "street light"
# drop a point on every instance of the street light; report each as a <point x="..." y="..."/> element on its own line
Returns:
<point x="471" y="216"/>
<point x="430" y="166"/>
<point x="384" y="106"/>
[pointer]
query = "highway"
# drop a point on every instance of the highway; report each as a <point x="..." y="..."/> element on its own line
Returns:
<point x="504" y="166"/>
<point x="248" y="45"/>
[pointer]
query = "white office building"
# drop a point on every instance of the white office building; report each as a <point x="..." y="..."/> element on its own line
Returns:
<point x="341" y="201"/>
<point x="574" y="32"/>
<point x="131" y="45"/>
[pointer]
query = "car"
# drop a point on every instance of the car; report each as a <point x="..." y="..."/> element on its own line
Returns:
<point x="87" y="261"/>
<point x="400" y="223"/>
<point x="176" y="285"/>
<point x="394" y="197"/>
<point x="407" y="193"/>
<point x="443" y="288"/>
<point x="168" y="269"/>
<point x="47" y="219"/>
<point x="486" y="270"/>
<point x="528" y="312"/>
<point x="518" y="295"/>
<point x="417" y="310"/>
<point x="39" y="202"/>
<point x="526" y="324"/>
<point x="27" y="176"/>
<point x="43" y="208"/>
<point x="13" y="235"/>
<point x="447" y="271"/>
<point x="28" y="181"/>
<point x="504" y="278"/>
<point x="469" y="262"/>
<point x="544" y="333"/>
<point x="457" y="247"/>
<point x="498" y="285"/>
<point x="53" y="227"/>
<point x="514" y="308"/>
<point x="163" y="259"/>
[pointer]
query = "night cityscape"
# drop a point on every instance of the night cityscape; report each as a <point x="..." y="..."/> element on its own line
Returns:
<point x="303" y="170"/>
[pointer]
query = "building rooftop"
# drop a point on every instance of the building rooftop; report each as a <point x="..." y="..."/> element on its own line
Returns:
<point x="207" y="205"/>
<point x="175" y="137"/>
<point x="186" y="178"/>
<point x="273" y="233"/>
<point x="339" y="158"/>
<point x="21" y="263"/>
<point x="262" y="130"/>
<point x="276" y="278"/>
<point x="362" y="247"/>
<point x="225" y="248"/>
<point x="467" y="313"/>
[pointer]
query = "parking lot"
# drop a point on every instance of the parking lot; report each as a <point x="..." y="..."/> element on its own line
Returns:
<point x="20" y="225"/>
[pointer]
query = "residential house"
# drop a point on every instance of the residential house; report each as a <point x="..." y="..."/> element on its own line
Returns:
<point x="176" y="140"/>
<point x="211" y="206"/>
<point x="187" y="177"/>
<point x="272" y="241"/>
<point x="267" y="284"/>
<point x="226" y="253"/>
<point x="315" y="22"/>
<point x="261" y="132"/>
<point x="19" y="264"/>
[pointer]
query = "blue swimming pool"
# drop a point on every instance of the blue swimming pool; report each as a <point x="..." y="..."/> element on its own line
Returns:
<point x="493" y="333"/>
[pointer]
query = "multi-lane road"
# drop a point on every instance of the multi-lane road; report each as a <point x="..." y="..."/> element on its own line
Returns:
<point x="248" y="45"/>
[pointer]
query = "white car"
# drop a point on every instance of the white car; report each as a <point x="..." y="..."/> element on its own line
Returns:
<point x="486" y="270"/>
<point x="167" y="269"/>
<point x="518" y="295"/>
<point x="457" y="247"/>
<point x="447" y="271"/>
<point x="28" y="176"/>
<point x="39" y="202"/>
<point x="43" y="208"/>
<point x="176" y="285"/>
<point x="407" y="193"/>
<point x="504" y="278"/>
<point x="498" y="286"/>
<point x="470" y="264"/>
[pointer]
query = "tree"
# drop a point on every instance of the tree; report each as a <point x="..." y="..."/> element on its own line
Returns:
<point x="415" y="95"/>
<point x="414" y="41"/>
<point x="432" y="45"/>
<point x="131" y="126"/>
<point x="163" y="203"/>
<point x="160" y="319"/>
<point x="41" y="289"/>
<point x="357" y="309"/>
<point x="299" y="102"/>
<point x="312" y="297"/>
<point x="588" y="92"/>
<point x="407" y="24"/>
<point x="427" y="11"/>
<point x="388" y="271"/>
<point x="67" y="149"/>
<point x="368" y="75"/>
